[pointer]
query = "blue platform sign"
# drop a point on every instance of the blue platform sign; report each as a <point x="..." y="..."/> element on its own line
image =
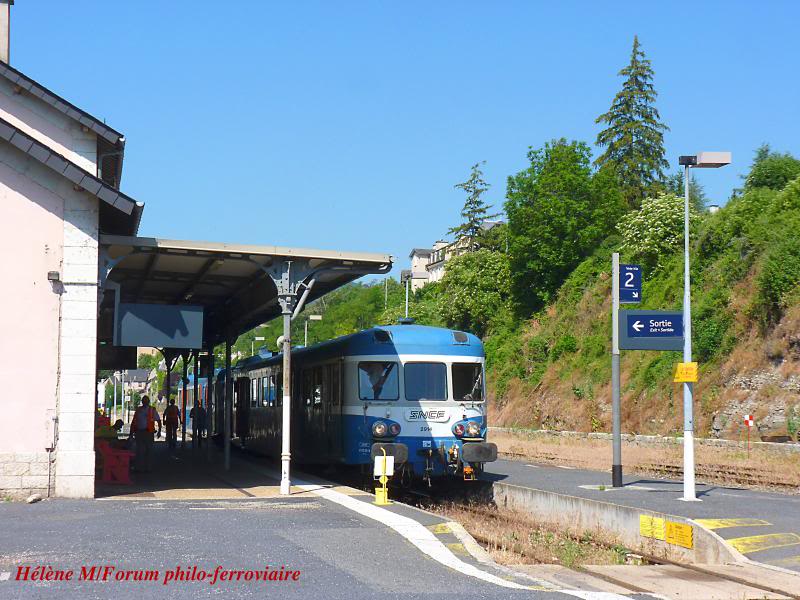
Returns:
<point x="662" y="325"/>
<point x="630" y="284"/>
<point x="650" y="330"/>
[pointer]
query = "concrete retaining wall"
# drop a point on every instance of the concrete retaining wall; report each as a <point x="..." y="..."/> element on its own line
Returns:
<point x="612" y="523"/>
<point x="649" y="440"/>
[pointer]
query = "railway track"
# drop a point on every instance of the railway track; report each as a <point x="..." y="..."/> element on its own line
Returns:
<point x="710" y="473"/>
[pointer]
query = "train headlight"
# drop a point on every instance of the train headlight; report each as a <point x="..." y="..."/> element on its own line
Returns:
<point x="394" y="429"/>
<point x="379" y="429"/>
<point x="473" y="429"/>
<point x="458" y="429"/>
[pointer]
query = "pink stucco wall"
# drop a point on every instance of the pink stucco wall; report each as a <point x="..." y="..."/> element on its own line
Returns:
<point x="47" y="125"/>
<point x="31" y="236"/>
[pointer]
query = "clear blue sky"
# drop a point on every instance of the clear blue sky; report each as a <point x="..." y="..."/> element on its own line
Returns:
<point x="345" y="124"/>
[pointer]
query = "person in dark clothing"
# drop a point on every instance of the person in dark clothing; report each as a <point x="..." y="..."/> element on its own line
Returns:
<point x="172" y="418"/>
<point x="198" y="416"/>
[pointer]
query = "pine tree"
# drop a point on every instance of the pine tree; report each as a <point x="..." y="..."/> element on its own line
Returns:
<point x="634" y="136"/>
<point x="475" y="209"/>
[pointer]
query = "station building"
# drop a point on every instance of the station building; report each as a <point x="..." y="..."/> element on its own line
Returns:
<point x="69" y="255"/>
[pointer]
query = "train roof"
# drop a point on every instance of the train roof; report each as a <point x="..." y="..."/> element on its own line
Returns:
<point x="383" y="340"/>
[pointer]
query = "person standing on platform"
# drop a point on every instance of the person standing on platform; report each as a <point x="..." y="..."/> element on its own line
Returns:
<point x="172" y="419"/>
<point x="143" y="427"/>
<point x="198" y="416"/>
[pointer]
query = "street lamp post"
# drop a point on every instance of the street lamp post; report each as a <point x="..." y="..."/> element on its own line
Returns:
<point x="305" y="327"/>
<point x="703" y="160"/>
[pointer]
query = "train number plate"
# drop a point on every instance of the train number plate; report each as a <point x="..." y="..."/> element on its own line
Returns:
<point x="432" y="415"/>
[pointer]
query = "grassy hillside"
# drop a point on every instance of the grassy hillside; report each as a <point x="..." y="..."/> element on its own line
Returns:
<point x="554" y="371"/>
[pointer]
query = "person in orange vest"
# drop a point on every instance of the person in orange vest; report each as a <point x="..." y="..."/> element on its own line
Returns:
<point x="172" y="418"/>
<point x="143" y="428"/>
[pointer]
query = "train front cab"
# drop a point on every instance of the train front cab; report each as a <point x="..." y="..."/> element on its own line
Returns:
<point x="423" y="404"/>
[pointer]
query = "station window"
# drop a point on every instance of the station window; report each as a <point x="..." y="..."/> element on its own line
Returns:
<point x="468" y="382"/>
<point x="426" y="381"/>
<point x="377" y="380"/>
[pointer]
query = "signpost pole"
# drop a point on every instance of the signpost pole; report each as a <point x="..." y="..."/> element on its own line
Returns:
<point x="688" y="419"/>
<point x="616" y="426"/>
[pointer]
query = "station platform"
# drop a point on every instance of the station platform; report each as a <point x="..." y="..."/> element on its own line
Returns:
<point x="190" y="515"/>
<point x="762" y="526"/>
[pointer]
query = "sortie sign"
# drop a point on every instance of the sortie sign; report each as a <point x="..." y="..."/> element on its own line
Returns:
<point x="650" y="330"/>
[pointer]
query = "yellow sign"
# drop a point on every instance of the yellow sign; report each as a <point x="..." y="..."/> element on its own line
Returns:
<point x="685" y="372"/>
<point x="652" y="527"/>
<point x="679" y="534"/>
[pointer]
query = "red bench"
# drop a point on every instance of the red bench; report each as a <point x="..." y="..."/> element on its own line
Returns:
<point x="116" y="464"/>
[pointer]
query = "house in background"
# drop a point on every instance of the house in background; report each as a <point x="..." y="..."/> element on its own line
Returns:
<point x="428" y="264"/>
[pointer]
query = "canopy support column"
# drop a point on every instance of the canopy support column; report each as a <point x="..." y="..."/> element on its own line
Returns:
<point x="228" y="406"/>
<point x="195" y="398"/>
<point x="209" y="408"/>
<point x="288" y="277"/>
<point x="185" y="356"/>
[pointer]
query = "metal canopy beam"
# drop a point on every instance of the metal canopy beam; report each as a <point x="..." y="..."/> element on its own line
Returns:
<point x="237" y="285"/>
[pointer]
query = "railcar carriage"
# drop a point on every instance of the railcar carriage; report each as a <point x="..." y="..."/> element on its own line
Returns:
<point x="417" y="392"/>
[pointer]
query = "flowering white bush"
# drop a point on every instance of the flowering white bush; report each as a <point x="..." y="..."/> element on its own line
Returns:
<point x="656" y="229"/>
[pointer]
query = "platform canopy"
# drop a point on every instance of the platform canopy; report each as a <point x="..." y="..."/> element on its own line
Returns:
<point x="238" y="286"/>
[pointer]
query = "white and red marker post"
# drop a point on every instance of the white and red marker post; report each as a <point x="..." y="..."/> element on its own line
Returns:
<point x="749" y="421"/>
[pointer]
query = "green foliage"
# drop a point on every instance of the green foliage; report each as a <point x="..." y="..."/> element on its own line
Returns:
<point x="656" y="229"/>
<point x="558" y="211"/>
<point x="634" y="135"/>
<point x="148" y="361"/>
<point x="566" y="344"/>
<point x="474" y="290"/>
<point x="780" y="273"/>
<point x="772" y="170"/>
<point x="506" y="359"/>
<point x="475" y="210"/>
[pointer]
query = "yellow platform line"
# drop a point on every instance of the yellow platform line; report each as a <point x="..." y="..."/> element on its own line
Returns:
<point x="756" y="543"/>
<point x="440" y="528"/>
<point x="723" y="523"/>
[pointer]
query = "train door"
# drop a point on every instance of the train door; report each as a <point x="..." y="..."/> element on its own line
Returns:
<point x="242" y="401"/>
<point x="333" y="412"/>
<point x="319" y="393"/>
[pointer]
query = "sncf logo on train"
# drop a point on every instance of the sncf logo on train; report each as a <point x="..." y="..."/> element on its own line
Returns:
<point x="435" y="415"/>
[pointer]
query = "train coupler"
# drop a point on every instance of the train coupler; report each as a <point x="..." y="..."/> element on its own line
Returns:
<point x="469" y="473"/>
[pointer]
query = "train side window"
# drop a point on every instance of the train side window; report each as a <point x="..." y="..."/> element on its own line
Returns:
<point x="253" y="392"/>
<point x="265" y="391"/>
<point x="377" y="380"/>
<point x="319" y="386"/>
<point x="468" y="382"/>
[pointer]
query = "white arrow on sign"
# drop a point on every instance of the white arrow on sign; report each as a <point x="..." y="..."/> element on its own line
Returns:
<point x="635" y="294"/>
<point x="638" y="326"/>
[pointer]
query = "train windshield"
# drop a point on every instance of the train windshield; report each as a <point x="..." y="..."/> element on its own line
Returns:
<point x="426" y="381"/>
<point x="468" y="382"/>
<point x="377" y="380"/>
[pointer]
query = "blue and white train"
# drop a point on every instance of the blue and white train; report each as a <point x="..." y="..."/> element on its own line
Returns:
<point x="417" y="392"/>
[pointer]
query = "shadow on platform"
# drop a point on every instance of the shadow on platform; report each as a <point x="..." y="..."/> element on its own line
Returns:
<point x="189" y="473"/>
